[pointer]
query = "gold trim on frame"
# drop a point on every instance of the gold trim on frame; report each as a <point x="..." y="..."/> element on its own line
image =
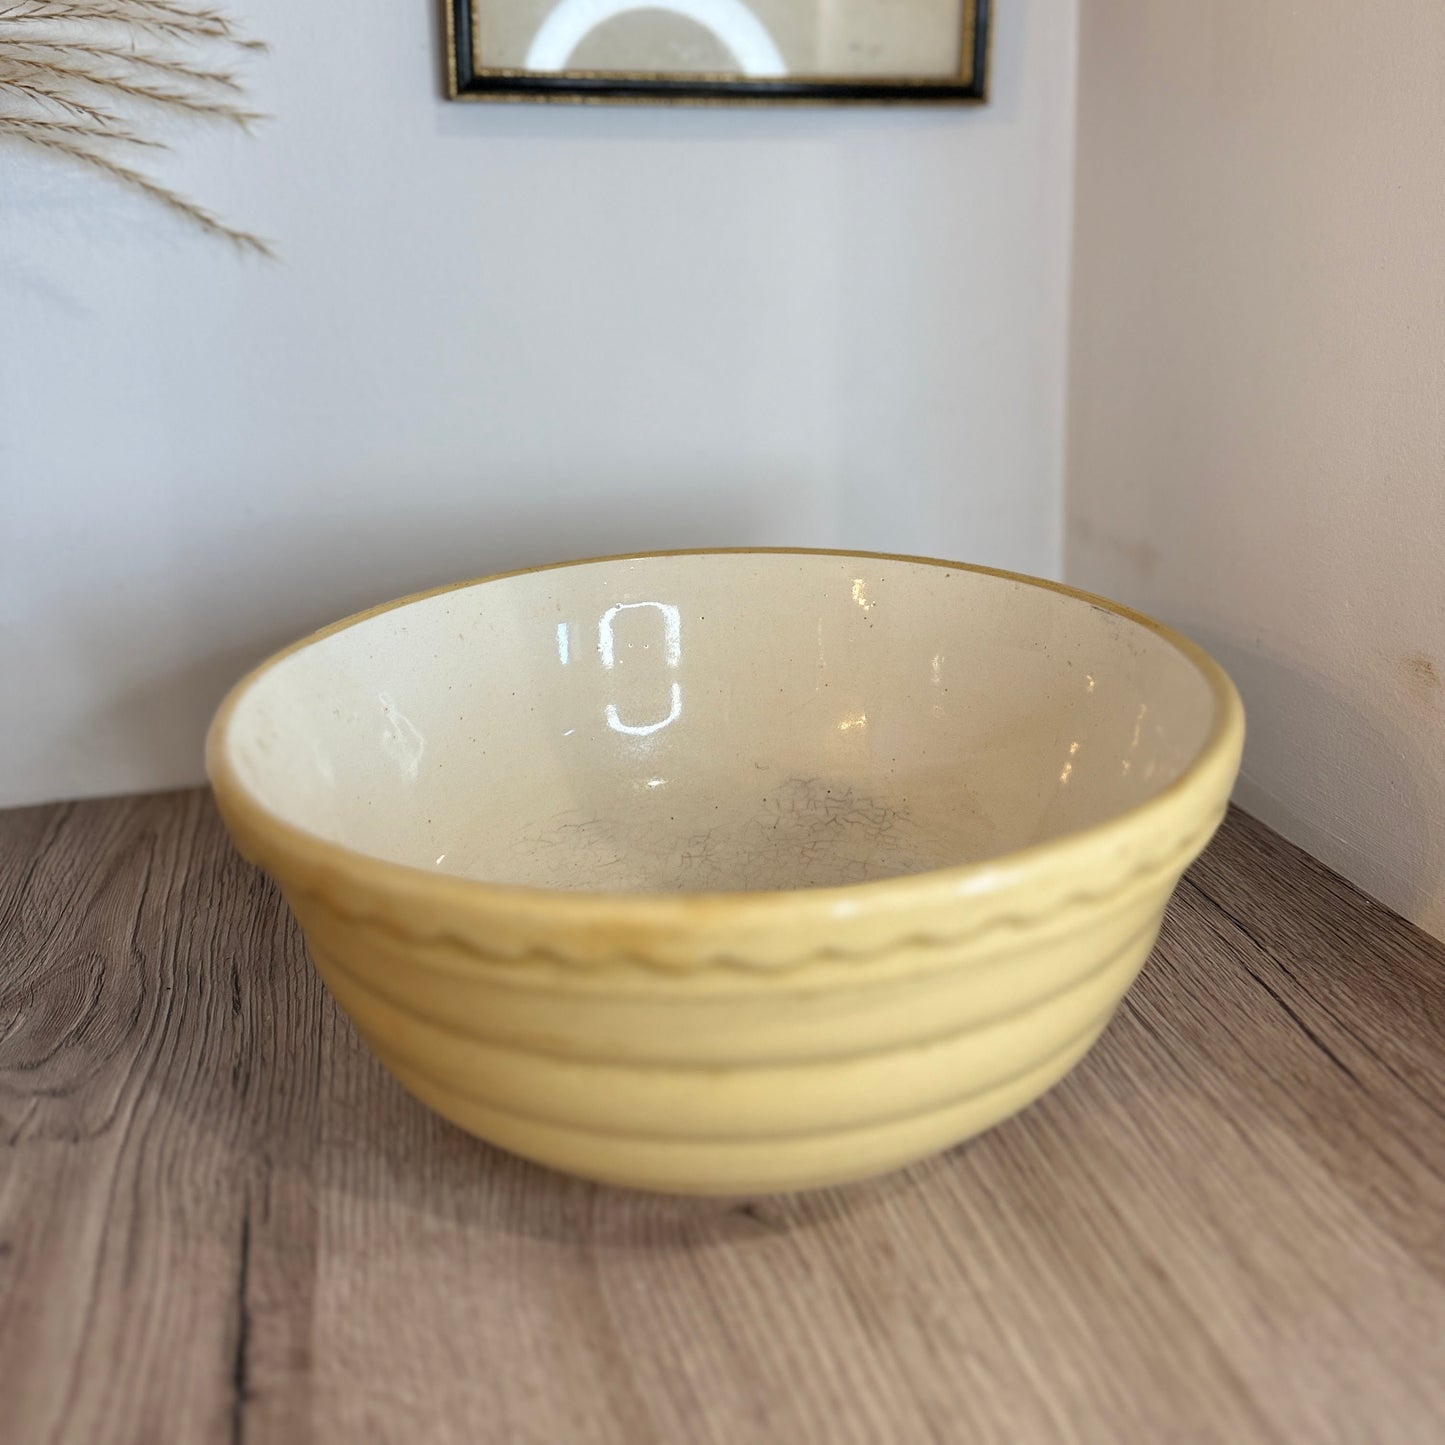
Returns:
<point x="970" y="81"/>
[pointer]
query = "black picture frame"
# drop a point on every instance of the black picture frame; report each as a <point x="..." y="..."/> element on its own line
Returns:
<point x="465" y="81"/>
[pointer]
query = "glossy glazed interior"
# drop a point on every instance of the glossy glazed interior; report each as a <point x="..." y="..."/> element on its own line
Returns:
<point x="719" y="722"/>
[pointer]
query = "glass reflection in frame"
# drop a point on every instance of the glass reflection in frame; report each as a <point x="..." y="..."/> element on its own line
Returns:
<point x="852" y="48"/>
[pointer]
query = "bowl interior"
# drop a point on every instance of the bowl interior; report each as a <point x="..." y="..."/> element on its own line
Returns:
<point x="718" y="722"/>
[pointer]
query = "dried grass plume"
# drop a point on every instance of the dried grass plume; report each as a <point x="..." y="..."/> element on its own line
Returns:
<point x="81" y="78"/>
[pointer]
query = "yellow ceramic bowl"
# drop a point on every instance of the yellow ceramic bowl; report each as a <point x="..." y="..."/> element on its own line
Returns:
<point x="730" y="871"/>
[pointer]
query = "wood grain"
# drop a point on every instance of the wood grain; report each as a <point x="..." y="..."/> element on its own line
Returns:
<point x="220" y="1220"/>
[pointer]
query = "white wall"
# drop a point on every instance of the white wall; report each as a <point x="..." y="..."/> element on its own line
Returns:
<point x="1257" y="420"/>
<point x="500" y="335"/>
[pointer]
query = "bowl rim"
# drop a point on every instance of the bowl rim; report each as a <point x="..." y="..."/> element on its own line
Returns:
<point x="268" y="839"/>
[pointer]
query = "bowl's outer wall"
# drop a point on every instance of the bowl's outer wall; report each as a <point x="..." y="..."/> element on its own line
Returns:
<point x="747" y="1081"/>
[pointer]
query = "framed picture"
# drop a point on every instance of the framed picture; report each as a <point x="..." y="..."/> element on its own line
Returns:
<point x="719" y="51"/>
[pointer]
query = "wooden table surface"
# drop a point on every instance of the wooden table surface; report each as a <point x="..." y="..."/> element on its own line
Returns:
<point x="220" y="1220"/>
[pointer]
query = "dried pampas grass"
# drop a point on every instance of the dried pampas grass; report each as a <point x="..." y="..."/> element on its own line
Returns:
<point x="79" y="78"/>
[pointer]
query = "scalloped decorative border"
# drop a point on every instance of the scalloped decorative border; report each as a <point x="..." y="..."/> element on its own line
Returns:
<point x="1179" y="854"/>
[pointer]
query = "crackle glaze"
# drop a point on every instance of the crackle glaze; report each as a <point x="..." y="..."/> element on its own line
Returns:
<point x="730" y="871"/>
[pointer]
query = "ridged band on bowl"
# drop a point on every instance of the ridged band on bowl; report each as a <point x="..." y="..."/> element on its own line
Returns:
<point x="756" y="1086"/>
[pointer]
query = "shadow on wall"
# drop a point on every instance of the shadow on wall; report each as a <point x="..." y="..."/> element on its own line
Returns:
<point x="1310" y="742"/>
<point x="254" y="590"/>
